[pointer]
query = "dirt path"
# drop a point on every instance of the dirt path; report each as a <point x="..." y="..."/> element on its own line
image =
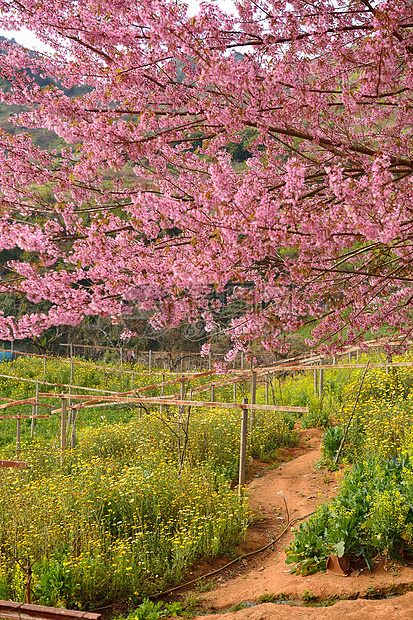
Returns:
<point x="266" y="574"/>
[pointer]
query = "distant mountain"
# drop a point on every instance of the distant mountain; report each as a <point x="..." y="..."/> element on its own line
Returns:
<point x="42" y="138"/>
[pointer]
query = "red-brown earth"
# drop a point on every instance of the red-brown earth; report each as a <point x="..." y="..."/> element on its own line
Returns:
<point x="264" y="574"/>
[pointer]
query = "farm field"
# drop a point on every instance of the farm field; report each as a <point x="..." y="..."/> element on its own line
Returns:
<point x="190" y="193"/>
<point x="146" y="495"/>
<point x="143" y="494"/>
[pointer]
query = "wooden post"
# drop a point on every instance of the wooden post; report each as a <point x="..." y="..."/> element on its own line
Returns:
<point x="35" y="410"/>
<point x="235" y="392"/>
<point x="150" y="361"/>
<point x="183" y="389"/>
<point x="161" y="407"/>
<point x="182" y="363"/>
<point x="242" y="360"/>
<point x="321" y="382"/>
<point x="213" y="394"/>
<point x="253" y="396"/>
<point x="63" y="417"/>
<point x="18" y="435"/>
<point x="267" y="385"/>
<point x="357" y="355"/>
<point x="243" y="446"/>
<point x="73" y="435"/>
<point x="189" y="362"/>
<point x="349" y="357"/>
<point x="315" y="381"/>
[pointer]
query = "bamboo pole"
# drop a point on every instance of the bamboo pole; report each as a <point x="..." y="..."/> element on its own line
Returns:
<point x="18" y="436"/>
<point x="63" y="417"/>
<point x="73" y="435"/>
<point x="161" y="407"/>
<point x="243" y="445"/>
<point x="337" y="456"/>
<point x="69" y="422"/>
<point x="169" y="401"/>
<point x="253" y="397"/>
<point x="320" y="383"/>
<point x="35" y="411"/>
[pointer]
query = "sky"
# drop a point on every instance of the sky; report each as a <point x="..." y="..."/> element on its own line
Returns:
<point x="29" y="40"/>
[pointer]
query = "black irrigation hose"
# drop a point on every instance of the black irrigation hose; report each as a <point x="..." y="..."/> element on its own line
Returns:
<point x="241" y="557"/>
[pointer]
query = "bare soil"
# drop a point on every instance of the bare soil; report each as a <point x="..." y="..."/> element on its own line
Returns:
<point x="264" y="574"/>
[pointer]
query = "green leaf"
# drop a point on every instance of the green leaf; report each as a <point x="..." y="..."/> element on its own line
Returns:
<point x="339" y="549"/>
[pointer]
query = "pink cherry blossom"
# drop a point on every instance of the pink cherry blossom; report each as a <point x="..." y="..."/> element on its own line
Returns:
<point x="316" y="225"/>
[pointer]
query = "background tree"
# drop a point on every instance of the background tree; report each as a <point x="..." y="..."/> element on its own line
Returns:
<point x="316" y="224"/>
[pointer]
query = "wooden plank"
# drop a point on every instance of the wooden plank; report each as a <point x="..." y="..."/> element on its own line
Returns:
<point x="26" y="611"/>
<point x="14" y="464"/>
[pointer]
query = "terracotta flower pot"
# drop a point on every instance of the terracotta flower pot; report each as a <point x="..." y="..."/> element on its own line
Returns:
<point x="340" y="566"/>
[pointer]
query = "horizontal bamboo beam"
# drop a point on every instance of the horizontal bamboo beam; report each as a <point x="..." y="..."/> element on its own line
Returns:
<point x="79" y="387"/>
<point x="176" y="402"/>
<point x="14" y="403"/>
<point x="22" y="417"/>
<point x="340" y="366"/>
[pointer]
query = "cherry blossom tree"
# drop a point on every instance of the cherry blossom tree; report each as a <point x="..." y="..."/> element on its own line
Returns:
<point x="316" y="225"/>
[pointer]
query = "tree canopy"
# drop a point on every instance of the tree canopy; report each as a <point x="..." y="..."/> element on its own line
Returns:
<point x="315" y="223"/>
